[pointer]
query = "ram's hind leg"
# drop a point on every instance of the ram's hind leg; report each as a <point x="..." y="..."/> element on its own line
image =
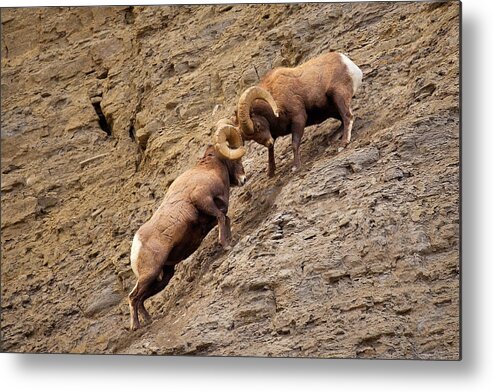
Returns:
<point x="132" y="301"/>
<point x="136" y="298"/>
<point x="156" y="287"/>
<point x="149" y="266"/>
<point x="342" y="100"/>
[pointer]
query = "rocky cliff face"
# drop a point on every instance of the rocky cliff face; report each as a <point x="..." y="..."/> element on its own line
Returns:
<point x="357" y="255"/>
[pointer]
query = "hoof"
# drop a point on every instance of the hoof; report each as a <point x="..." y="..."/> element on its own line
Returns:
<point x="147" y="319"/>
<point x="340" y="145"/>
<point x="225" y="245"/>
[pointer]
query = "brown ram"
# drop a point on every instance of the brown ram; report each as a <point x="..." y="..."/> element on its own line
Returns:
<point x="194" y="203"/>
<point x="289" y="99"/>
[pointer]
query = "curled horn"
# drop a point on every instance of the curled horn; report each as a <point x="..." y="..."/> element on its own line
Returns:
<point x="228" y="142"/>
<point x="245" y="103"/>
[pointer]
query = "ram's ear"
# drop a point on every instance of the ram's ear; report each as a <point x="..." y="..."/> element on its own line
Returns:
<point x="234" y="118"/>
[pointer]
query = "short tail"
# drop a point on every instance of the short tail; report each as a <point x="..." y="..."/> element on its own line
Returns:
<point x="134" y="253"/>
<point x="354" y="71"/>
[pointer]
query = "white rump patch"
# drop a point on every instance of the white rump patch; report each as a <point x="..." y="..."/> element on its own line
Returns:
<point x="134" y="253"/>
<point x="354" y="71"/>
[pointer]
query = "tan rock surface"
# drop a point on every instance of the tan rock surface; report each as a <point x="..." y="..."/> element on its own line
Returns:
<point x="357" y="255"/>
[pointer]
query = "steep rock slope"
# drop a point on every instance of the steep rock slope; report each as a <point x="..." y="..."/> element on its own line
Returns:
<point x="357" y="255"/>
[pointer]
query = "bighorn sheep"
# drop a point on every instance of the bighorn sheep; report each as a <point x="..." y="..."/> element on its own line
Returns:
<point x="194" y="203"/>
<point x="289" y="99"/>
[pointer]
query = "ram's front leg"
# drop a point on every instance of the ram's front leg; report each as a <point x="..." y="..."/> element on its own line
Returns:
<point x="227" y="231"/>
<point x="223" y="223"/>
<point x="297" y="129"/>
<point x="208" y="206"/>
<point x="272" y="162"/>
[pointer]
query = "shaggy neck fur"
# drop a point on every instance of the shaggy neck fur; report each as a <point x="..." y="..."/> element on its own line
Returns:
<point x="210" y="160"/>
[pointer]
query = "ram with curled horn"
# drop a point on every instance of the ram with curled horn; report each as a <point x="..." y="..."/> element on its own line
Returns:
<point x="289" y="99"/>
<point x="228" y="141"/>
<point x="195" y="202"/>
